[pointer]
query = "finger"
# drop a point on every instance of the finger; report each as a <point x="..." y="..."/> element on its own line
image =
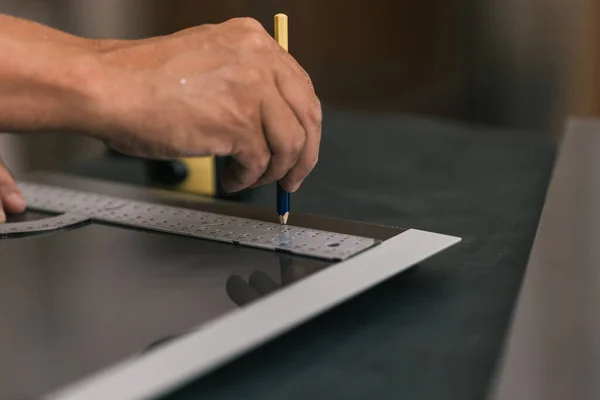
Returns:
<point x="262" y="282"/>
<point x="239" y="292"/>
<point x="297" y="89"/>
<point x="250" y="161"/>
<point x="11" y="200"/>
<point x="285" y="137"/>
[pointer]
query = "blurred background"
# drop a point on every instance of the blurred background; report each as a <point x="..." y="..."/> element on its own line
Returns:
<point x="520" y="65"/>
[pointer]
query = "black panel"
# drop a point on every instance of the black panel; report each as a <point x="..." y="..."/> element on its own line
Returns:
<point x="75" y="301"/>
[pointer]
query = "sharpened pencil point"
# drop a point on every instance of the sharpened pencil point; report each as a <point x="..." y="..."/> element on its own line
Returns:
<point x="284" y="218"/>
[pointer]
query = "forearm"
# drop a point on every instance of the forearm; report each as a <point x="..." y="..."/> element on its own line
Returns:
<point x="48" y="78"/>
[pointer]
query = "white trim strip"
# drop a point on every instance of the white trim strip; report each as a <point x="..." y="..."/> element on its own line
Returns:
<point x="217" y="342"/>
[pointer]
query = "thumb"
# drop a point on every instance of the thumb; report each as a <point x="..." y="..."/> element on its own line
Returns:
<point x="11" y="200"/>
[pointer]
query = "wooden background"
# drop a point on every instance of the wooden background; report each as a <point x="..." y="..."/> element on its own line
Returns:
<point x="525" y="65"/>
<point x="392" y="55"/>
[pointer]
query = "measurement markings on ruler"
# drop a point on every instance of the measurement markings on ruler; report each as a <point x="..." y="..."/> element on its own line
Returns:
<point x="80" y="205"/>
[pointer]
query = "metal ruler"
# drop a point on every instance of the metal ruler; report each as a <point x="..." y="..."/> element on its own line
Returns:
<point x="76" y="207"/>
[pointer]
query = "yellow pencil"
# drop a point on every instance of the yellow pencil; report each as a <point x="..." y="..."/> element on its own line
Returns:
<point x="281" y="30"/>
<point x="283" y="197"/>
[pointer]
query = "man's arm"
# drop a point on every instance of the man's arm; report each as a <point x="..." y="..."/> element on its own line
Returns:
<point x="43" y="86"/>
<point x="218" y="89"/>
<point x="48" y="78"/>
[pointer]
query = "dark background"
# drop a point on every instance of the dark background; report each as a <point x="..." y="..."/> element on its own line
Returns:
<point x="521" y="65"/>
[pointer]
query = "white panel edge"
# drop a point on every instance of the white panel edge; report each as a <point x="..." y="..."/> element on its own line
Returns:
<point x="217" y="342"/>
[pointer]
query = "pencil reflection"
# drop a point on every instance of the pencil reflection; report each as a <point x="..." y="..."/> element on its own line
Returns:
<point x="260" y="284"/>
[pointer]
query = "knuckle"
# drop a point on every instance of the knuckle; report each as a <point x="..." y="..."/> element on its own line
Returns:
<point x="252" y="34"/>
<point x="294" y="145"/>
<point x="261" y="158"/>
<point x="249" y="23"/>
<point x="255" y="40"/>
<point x="244" y="115"/>
<point x="247" y="115"/>
<point x="316" y="112"/>
<point x="251" y="75"/>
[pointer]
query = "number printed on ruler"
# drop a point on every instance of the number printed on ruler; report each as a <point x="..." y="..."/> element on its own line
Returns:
<point x="78" y="206"/>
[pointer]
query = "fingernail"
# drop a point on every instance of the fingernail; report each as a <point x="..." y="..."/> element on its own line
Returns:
<point x="297" y="186"/>
<point x="14" y="201"/>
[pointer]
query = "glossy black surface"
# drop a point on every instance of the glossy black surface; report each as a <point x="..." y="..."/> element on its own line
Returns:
<point x="78" y="300"/>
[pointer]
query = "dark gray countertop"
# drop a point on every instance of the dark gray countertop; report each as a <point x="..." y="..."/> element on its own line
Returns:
<point x="436" y="332"/>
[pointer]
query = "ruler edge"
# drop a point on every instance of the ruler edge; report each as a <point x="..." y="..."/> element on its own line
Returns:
<point x="165" y="196"/>
<point x="374" y="241"/>
<point x="77" y="220"/>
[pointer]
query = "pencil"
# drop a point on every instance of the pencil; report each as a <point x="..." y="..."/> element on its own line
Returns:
<point x="283" y="197"/>
<point x="283" y="204"/>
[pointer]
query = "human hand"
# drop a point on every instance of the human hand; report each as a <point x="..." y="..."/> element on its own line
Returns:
<point x="224" y="89"/>
<point x="11" y="200"/>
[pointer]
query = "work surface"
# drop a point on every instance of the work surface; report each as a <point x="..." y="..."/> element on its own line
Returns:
<point x="437" y="331"/>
